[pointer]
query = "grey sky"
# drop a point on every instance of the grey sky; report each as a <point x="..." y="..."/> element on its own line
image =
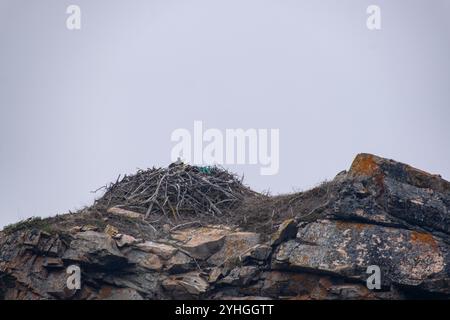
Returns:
<point x="79" y="107"/>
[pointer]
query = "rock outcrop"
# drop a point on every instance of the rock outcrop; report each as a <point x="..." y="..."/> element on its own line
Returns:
<point x="379" y="213"/>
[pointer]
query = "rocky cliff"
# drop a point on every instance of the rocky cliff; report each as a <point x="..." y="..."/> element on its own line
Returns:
<point x="312" y="245"/>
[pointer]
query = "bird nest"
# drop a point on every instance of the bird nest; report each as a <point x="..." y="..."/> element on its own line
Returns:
<point x="176" y="191"/>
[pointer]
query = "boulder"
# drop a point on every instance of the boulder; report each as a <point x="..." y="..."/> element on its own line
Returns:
<point x="235" y="245"/>
<point x="95" y="249"/>
<point x="347" y="249"/>
<point x="201" y="242"/>
<point x="369" y="165"/>
<point x="385" y="192"/>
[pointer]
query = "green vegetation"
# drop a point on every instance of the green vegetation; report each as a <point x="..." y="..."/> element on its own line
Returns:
<point x="30" y="223"/>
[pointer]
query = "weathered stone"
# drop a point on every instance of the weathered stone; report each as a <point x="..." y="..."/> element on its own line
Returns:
<point x="390" y="193"/>
<point x="260" y="252"/>
<point x="53" y="263"/>
<point x="145" y="283"/>
<point x="288" y="284"/>
<point x="124" y="213"/>
<point x="240" y="276"/>
<point x="346" y="248"/>
<point x="94" y="248"/>
<point x="202" y="242"/>
<point x="179" y="262"/>
<point x="369" y="165"/>
<point x="163" y="250"/>
<point x="186" y="285"/>
<point x="112" y="293"/>
<point x="124" y="240"/>
<point x="287" y="230"/>
<point x="31" y="238"/>
<point x="350" y="292"/>
<point x="215" y="274"/>
<point x="235" y="245"/>
<point x="145" y="259"/>
<point x="416" y="206"/>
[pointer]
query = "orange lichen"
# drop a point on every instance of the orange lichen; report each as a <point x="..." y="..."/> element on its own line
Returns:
<point x="105" y="292"/>
<point x="365" y="165"/>
<point x="343" y="225"/>
<point x="424" y="238"/>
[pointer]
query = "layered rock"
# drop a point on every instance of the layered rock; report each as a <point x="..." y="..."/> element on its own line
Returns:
<point x="379" y="213"/>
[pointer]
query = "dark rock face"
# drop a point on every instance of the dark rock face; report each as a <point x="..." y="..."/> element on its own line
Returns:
<point x="380" y="213"/>
<point x="347" y="248"/>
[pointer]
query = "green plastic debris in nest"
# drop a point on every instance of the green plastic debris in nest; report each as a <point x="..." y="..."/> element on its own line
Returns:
<point x="205" y="170"/>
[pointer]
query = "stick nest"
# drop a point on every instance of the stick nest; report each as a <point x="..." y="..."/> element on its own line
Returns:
<point x="180" y="190"/>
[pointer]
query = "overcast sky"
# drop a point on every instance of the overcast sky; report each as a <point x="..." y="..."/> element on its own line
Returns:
<point x="79" y="107"/>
